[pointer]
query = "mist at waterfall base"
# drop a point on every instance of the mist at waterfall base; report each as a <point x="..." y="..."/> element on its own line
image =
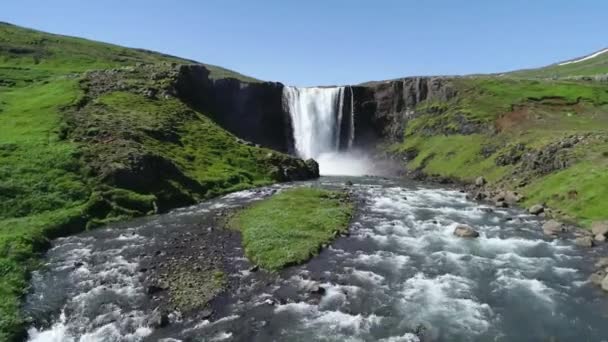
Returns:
<point x="323" y="124"/>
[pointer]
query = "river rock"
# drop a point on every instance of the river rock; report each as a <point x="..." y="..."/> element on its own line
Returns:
<point x="318" y="290"/>
<point x="501" y="204"/>
<point x="599" y="228"/>
<point x="584" y="241"/>
<point x="605" y="284"/>
<point x="536" y="209"/>
<point x="600" y="238"/>
<point x="602" y="262"/>
<point x="553" y="227"/>
<point x="480" y="181"/>
<point x="464" y="231"/>
<point x="158" y="319"/>
<point x="597" y="277"/>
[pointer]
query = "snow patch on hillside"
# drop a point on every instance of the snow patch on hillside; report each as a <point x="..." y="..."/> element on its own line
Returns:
<point x="586" y="57"/>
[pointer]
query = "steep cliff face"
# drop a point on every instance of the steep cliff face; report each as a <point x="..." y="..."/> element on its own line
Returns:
<point x="250" y="110"/>
<point x="383" y="109"/>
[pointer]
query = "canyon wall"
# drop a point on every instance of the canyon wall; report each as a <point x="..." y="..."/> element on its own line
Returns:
<point x="255" y="111"/>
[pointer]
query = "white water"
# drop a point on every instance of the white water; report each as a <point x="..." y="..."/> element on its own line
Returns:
<point x="316" y="117"/>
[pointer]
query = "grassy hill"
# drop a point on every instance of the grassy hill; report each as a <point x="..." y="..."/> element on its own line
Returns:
<point x="92" y="133"/>
<point x="591" y="65"/>
<point x="546" y="139"/>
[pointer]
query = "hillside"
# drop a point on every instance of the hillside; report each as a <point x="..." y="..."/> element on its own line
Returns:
<point x="592" y="65"/>
<point x="92" y="133"/>
<point x="545" y="139"/>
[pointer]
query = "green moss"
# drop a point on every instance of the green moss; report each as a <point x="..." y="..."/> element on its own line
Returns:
<point x="192" y="289"/>
<point x="291" y="226"/>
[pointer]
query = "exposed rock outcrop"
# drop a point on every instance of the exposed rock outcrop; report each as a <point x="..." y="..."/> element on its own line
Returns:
<point x="382" y="109"/>
<point x="250" y="110"/>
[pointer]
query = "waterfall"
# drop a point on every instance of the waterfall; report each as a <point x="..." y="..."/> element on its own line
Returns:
<point x="316" y="119"/>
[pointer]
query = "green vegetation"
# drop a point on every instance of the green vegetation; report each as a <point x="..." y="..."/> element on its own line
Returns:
<point x="291" y="226"/>
<point x="494" y="124"/>
<point x="75" y="152"/>
<point x="597" y="65"/>
<point x="27" y="52"/>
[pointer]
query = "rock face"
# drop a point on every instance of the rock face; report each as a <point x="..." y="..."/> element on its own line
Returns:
<point x="382" y="109"/>
<point x="465" y="231"/>
<point x="250" y="110"/>
<point x="553" y="227"/>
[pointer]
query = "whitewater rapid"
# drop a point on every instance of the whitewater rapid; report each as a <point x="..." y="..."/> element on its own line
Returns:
<point x="400" y="275"/>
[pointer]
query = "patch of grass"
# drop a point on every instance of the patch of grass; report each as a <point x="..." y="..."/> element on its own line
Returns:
<point x="290" y="227"/>
<point x="485" y="98"/>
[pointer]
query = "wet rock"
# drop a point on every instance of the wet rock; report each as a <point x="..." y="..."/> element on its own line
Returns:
<point x="600" y="238"/>
<point x="597" y="277"/>
<point x="465" y="231"/>
<point x="605" y="284"/>
<point x="553" y="227"/>
<point x="602" y="262"/>
<point x="584" y="241"/>
<point x="480" y="181"/>
<point x="206" y="313"/>
<point x="255" y="268"/>
<point x="536" y="209"/>
<point x="599" y="228"/>
<point x="318" y="290"/>
<point x="158" y="319"/>
<point x="78" y="264"/>
<point x="501" y="204"/>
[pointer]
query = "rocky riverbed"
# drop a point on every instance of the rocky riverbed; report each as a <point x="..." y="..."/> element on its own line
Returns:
<point x="401" y="274"/>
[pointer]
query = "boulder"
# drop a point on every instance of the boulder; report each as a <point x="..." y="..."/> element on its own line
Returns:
<point x="501" y="204"/>
<point x="480" y="181"/>
<point x="602" y="262"/>
<point x="536" y="209"/>
<point x="599" y="228"/>
<point x="597" y="277"/>
<point x="584" y="241"/>
<point x="605" y="284"/>
<point x="600" y="238"/>
<point x="553" y="227"/>
<point x="464" y="231"/>
<point x="512" y="197"/>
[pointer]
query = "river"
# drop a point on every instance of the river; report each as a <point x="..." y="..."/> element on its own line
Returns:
<point x="400" y="275"/>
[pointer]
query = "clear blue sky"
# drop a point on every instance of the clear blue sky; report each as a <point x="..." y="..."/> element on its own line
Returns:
<point x="324" y="42"/>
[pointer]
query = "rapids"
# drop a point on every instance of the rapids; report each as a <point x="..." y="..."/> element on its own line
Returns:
<point x="400" y="275"/>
